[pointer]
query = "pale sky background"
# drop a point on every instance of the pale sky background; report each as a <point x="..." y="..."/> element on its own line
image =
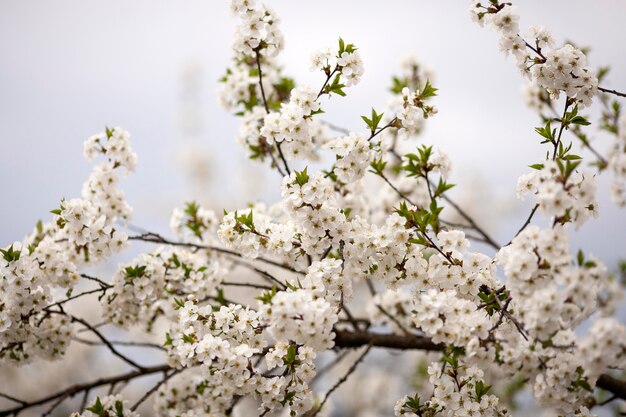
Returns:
<point x="69" y="68"/>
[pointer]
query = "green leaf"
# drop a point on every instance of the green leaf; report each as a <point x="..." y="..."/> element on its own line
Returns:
<point x="336" y="86"/>
<point x="97" y="408"/>
<point x="579" y="120"/>
<point x="179" y="303"/>
<point x="481" y="389"/>
<point x="245" y="220"/>
<point x="266" y="296"/>
<point x="135" y="271"/>
<point x="10" y="254"/>
<point x="302" y="177"/>
<point x="546" y="132"/>
<point x="191" y="209"/>
<point x="378" y="166"/>
<point x="119" y="408"/>
<point x="428" y="91"/>
<point x="397" y="84"/>
<point x="290" y="358"/>
<point x="342" y="46"/>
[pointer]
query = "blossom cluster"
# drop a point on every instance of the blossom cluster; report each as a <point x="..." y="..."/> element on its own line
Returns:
<point x="193" y="223"/>
<point x="292" y="125"/>
<point x="297" y="316"/>
<point x="556" y="69"/>
<point x="560" y="193"/>
<point x="83" y="233"/>
<point x="460" y="391"/>
<point x="142" y="288"/>
<point x="258" y="30"/>
<point x="347" y="63"/>
<point x="223" y="341"/>
<point x="353" y="157"/>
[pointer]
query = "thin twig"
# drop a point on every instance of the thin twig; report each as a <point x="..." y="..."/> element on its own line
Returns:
<point x="617" y="93"/>
<point x="152" y="390"/>
<point x="120" y="343"/>
<point x="75" y="389"/>
<point x="9" y="397"/>
<point x="102" y="338"/>
<point x="342" y="380"/>
<point x="156" y="238"/>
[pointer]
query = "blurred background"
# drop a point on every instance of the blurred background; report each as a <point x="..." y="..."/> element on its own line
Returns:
<point x="69" y="68"/>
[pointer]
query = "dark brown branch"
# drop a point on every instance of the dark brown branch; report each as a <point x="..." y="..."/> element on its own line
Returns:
<point x="73" y="297"/>
<point x="104" y="340"/>
<point x="346" y="339"/>
<point x="77" y="388"/>
<point x="246" y="284"/>
<point x="613" y="385"/>
<point x="617" y="93"/>
<point x="15" y="400"/>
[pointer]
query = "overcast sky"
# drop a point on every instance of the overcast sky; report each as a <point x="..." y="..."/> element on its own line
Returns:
<point x="69" y="68"/>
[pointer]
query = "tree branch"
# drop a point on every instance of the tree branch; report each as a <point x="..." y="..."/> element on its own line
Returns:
<point x="617" y="93"/>
<point x="77" y="388"/>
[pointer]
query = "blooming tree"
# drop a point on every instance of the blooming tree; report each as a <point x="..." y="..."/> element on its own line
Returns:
<point x="367" y="252"/>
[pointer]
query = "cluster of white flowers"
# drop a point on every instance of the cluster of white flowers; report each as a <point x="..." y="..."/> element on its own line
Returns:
<point x="252" y="232"/>
<point x="564" y="196"/>
<point x="142" y="288"/>
<point x="353" y="157"/>
<point x="414" y="111"/>
<point x="559" y="385"/>
<point x="93" y="234"/>
<point x="258" y="30"/>
<point x="603" y="346"/>
<point x="223" y="341"/>
<point x="550" y="292"/>
<point x="326" y="279"/>
<point x="616" y="158"/>
<point x="299" y="316"/>
<point x="458" y="392"/>
<point x="312" y="205"/>
<point x="402" y="104"/>
<point x="82" y="233"/>
<point x="108" y="406"/>
<point x="115" y="145"/>
<point x="346" y="62"/>
<point x="450" y="319"/>
<point x="25" y="331"/>
<point x="193" y="223"/>
<point x="183" y="394"/>
<point x="552" y="295"/>
<point x="556" y="69"/>
<point x="291" y="125"/>
<point x="291" y="393"/>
